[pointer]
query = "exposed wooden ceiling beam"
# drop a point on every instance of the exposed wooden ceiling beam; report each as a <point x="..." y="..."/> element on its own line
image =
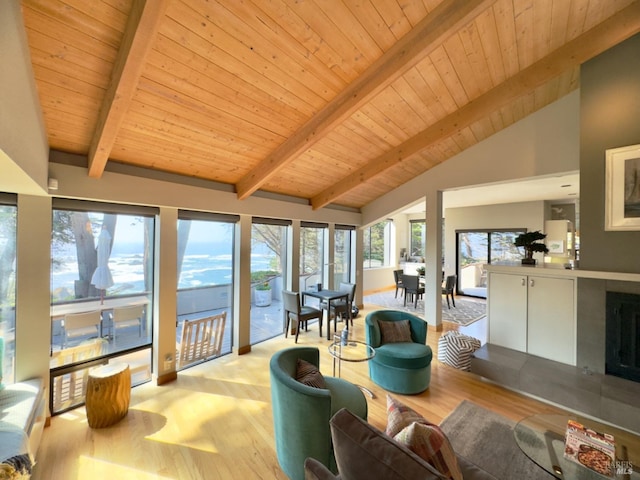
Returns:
<point x="421" y="41"/>
<point x="142" y="25"/>
<point x="616" y="29"/>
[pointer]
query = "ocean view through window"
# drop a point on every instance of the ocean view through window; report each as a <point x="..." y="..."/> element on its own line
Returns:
<point x="102" y="278"/>
<point x="205" y="272"/>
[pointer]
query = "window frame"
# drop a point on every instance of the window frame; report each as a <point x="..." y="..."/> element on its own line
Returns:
<point x="387" y="244"/>
<point x="113" y="353"/>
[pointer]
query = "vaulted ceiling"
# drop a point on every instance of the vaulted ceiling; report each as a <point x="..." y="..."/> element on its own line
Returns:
<point x="334" y="101"/>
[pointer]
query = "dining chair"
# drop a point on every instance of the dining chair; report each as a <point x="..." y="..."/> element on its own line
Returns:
<point x="397" y="276"/>
<point x="341" y="308"/>
<point x="412" y="287"/>
<point x="85" y="324"/>
<point x="448" y="288"/>
<point x="125" y="317"/>
<point x="294" y="310"/>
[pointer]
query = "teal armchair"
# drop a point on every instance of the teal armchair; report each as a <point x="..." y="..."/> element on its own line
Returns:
<point x="301" y="413"/>
<point x="400" y="367"/>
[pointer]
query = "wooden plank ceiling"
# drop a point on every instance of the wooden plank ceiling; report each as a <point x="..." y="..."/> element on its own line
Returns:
<point x="335" y="101"/>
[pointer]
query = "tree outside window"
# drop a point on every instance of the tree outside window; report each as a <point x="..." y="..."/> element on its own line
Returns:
<point x="418" y="236"/>
<point x="7" y="292"/>
<point x="377" y="245"/>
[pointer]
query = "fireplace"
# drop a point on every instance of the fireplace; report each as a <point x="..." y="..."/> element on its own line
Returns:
<point x="623" y="335"/>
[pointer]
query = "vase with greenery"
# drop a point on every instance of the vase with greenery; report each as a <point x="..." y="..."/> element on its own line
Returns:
<point x="263" y="294"/>
<point x="261" y="281"/>
<point x="530" y="241"/>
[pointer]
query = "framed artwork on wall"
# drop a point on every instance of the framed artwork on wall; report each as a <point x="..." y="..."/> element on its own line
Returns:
<point x="622" y="188"/>
<point x="555" y="246"/>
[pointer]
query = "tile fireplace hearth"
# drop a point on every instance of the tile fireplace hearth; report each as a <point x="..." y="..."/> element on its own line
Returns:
<point x="609" y="398"/>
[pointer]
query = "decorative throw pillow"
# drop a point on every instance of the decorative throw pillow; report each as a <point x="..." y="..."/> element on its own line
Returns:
<point x="430" y="443"/>
<point x="309" y="374"/>
<point x="394" y="332"/>
<point x="409" y="428"/>
<point x="399" y="416"/>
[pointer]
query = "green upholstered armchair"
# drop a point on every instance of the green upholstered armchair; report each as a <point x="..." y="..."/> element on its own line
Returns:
<point x="301" y="413"/>
<point x="401" y="367"/>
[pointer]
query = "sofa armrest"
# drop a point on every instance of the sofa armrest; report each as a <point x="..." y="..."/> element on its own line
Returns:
<point x="314" y="470"/>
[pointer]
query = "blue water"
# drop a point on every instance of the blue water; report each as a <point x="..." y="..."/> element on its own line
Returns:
<point x="198" y="269"/>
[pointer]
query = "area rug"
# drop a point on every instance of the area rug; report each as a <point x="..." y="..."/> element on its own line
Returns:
<point x="486" y="439"/>
<point x="464" y="313"/>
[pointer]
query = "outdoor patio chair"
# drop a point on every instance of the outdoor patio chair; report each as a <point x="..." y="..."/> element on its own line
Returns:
<point x="201" y="338"/>
<point x="78" y="325"/>
<point x="69" y="389"/>
<point x="294" y="310"/>
<point x="126" y="317"/>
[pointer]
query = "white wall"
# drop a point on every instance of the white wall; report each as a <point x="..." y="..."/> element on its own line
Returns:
<point x="120" y="188"/>
<point x="24" y="151"/>
<point x="33" y="320"/>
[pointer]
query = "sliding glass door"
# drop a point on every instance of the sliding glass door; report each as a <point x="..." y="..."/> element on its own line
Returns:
<point x="478" y="248"/>
<point x="268" y="277"/>
<point x="205" y="283"/>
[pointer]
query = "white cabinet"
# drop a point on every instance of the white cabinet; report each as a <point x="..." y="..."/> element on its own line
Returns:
<point x="507" y="311"/>
<point x="533" y="314"/>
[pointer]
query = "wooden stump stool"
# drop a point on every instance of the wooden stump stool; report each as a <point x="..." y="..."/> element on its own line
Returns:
<point x="108" y="394"/>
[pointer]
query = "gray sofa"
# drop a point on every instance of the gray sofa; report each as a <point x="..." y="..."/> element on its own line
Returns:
<point x="363" y="452"/>
<point x="22" y="419"/>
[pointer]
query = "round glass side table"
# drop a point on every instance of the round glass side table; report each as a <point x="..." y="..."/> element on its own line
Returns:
<point x="351" y="351"/>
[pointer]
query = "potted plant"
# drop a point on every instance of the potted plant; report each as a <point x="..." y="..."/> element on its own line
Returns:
<point x="261" y="280"/>
<point x="263" y="294"/>
<point x="530" y="242"/>
<point x="420" y="271"/>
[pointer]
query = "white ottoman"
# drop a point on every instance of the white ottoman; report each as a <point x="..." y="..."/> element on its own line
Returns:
<point x="455" y="349"/>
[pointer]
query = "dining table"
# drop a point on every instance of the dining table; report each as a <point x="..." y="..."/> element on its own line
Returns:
<point x="328" y="296"/>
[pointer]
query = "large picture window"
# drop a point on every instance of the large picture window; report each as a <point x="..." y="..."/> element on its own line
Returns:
<point x="378" y="245"/>
<point x="312" y="254"/>
<point x="418" y="236"/>
<point x="7" y="289"/>
<point x="344" y="239"/>
<point x="102" y="259"/>
<point x="476" y="249"/>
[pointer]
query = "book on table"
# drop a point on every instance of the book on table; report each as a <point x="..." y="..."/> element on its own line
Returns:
<point x="589" y="448"/>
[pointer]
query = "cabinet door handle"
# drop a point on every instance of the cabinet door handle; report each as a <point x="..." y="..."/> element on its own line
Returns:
<point x="523" y="282"/>
<point x="531" y="282"/>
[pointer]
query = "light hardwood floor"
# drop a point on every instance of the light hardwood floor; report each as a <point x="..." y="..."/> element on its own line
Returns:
<point x="215" y="420"/>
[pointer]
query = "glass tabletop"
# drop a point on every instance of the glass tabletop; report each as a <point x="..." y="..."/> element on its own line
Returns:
<point x="353" y="351"/>
<point x="542" y="438"/>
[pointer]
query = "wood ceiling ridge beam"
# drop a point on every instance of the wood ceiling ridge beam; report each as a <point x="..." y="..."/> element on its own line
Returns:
<point x="600" y="38"/>
<point x="421" y="41"/>
<point x="142" y="25"/>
